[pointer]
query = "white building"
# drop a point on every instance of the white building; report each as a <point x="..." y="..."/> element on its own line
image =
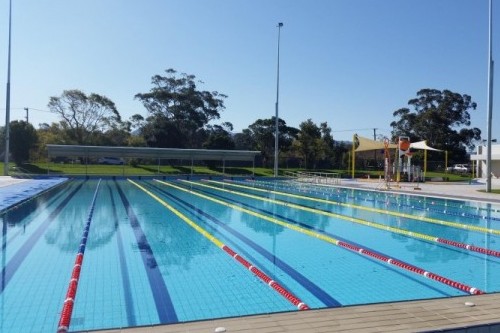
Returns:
<point x="479" y="161"/>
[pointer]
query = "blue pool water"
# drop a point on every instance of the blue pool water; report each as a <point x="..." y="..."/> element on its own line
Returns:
<point x="154" y="251"/>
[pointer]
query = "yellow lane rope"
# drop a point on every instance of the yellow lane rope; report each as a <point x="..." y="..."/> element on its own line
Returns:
<point x="331" y="240"/>
<point x="376" y="225"/>
<point x="252" y="268"/>
<point x="374" y="210"/>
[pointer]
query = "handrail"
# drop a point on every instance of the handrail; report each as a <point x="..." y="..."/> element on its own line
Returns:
<point x="329" y="178"/>
<point x="17" y="171"/>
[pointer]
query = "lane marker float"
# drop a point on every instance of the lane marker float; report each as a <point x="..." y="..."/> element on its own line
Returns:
<point x="67" y="310"/>
<point x="392" y="261"/>
<point x="374" y="210"/>
<point x="256" y="271"/>
<point x="375" y="225"/>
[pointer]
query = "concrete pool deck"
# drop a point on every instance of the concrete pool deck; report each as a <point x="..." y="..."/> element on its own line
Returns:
<point x="474" y="190"/>
<point x="436" y="315"/>
<point x="442" y="315"/>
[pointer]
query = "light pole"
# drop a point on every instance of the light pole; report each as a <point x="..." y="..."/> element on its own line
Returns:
<point x="490" y="101"/>
<point x="277" y="103"/>
<point x="7" y="101"/>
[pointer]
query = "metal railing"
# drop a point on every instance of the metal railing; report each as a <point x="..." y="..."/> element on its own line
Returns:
<point x="326" y="178"/>
<point x="16" y="171"/>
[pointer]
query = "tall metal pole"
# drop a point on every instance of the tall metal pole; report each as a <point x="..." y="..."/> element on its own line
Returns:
<point x="7" y="101"/>
<point x="276" y="131"/>
<point x="490" y="100"/>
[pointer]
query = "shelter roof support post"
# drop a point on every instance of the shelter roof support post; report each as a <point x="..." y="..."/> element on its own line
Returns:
<point x="158" y="168"/>
<point x="253" y="167"/>
<point x="223" y="167"/>
<point x="425" y="163"/>
<point x="396" y="165"/>
<point x="192" y="165"/>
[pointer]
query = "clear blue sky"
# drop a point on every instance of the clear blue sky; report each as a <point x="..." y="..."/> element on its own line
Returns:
<point x="348" y="62"/>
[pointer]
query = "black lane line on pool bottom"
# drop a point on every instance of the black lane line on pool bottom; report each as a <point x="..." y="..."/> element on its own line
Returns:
<point x="305" y="226"/>
<point x="129" y="301"/>
<point x="317" y="291"/>
<point x="164" y="306"/>
<point x="10" y="269"/>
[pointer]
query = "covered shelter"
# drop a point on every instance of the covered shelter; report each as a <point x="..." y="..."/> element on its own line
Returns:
<point x="88" y="152"/>
<point x="365" y="144"/>
<point x="423" y="146"/>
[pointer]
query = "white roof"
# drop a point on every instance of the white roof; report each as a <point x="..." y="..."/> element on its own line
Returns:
<point x="146" y="152"/>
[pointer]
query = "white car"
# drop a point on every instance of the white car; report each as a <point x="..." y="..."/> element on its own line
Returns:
<point x="110" y="160"/>
<point x="459" y="168"/>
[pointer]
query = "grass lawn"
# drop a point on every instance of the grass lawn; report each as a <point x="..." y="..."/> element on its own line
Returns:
<point x="128" y="170"/>
<point x="151" y="170"/>
<point x="492" y="191"/>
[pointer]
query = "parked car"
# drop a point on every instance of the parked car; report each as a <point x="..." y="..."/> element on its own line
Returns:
<point x="459" y="168"/>
<point x="110" y="161"/>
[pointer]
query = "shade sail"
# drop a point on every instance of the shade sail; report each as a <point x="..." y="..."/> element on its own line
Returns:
<point x="368" y="144"/>
<point x="422" y="145"/>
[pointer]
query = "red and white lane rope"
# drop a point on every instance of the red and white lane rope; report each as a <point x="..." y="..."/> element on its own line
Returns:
<point x="69" y="301"/>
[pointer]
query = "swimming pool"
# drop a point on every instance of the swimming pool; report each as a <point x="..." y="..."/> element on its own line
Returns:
<point x="157" y="252"/>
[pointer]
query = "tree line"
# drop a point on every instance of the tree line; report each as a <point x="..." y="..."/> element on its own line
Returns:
<point x="181" y="115"/>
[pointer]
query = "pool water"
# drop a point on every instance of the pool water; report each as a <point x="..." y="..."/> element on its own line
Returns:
<point x="161" y="252"/>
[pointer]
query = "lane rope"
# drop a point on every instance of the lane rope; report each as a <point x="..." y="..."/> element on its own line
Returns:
<point x="252" y="268"/>
<point x="435" y="200"/>
<point x="314" y="289"/>
<point x="373" y="210"/>
<point x="384" y="227"/>
<point x="67" y="310"/>
<point x="389" y="198"/>
<point x="354" y="248"/>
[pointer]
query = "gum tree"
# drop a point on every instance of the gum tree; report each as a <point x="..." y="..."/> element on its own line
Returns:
<point x="440" y="117"/>
<point x="82" y="116"/>
<point x="24" y="139"/>
<point x="178" y="111"/>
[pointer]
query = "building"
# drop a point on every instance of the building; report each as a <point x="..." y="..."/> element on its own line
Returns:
<point x="479" y="161"/>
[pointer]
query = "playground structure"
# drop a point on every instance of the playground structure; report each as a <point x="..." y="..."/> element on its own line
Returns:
<point x="401" y="165"/>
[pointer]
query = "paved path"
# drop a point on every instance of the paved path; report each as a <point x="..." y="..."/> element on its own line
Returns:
<point x="453" y="190"/>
